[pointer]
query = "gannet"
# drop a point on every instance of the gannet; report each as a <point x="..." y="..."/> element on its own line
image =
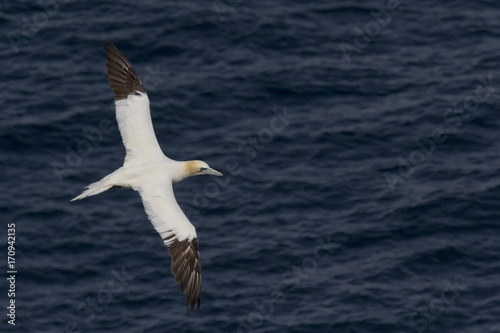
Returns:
<point x="148" y="171"/>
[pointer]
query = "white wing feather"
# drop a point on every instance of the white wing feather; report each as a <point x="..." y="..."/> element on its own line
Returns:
<point x="165" y="214"/>
<point x="178" y="234"/>
<point x="136" y="128"/>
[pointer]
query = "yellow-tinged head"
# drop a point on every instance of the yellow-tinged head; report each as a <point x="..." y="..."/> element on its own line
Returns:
<point x="198" y="168"/>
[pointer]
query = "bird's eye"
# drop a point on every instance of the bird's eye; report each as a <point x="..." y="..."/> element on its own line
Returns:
<point x="203" y="169"/>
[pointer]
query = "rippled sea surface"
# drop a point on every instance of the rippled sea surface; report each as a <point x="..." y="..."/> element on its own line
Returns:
<point x="360" y="148"/>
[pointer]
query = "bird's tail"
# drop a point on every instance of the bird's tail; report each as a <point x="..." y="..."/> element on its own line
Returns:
<point x="93" y="189"/>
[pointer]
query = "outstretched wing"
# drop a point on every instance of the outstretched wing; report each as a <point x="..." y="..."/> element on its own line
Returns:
<point x="178" y="234"/>
<point x="132" y="108"/>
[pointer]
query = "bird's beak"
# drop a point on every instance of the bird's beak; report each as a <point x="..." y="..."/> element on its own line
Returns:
<point x="210" y="171"/>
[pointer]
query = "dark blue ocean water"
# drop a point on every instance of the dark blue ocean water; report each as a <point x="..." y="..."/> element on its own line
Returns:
<point x="360" y="143"/>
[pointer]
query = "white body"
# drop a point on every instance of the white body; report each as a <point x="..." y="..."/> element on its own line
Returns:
<point x="147" y="170"/>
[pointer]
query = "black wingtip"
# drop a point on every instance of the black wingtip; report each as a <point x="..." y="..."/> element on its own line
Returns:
<point x="185" y="266"/>
<point x="122" y="77"/>
<point x="107" y="44"/>
<point x="193" y="304"/>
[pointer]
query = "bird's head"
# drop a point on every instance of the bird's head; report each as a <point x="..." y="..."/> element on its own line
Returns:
<point x="198" y="168"/>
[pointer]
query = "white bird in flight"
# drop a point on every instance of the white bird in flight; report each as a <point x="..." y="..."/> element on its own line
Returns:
<point x="148" y="171"/>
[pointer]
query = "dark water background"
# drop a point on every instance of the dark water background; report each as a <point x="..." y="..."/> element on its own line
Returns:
<point x="378" y="159"/>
